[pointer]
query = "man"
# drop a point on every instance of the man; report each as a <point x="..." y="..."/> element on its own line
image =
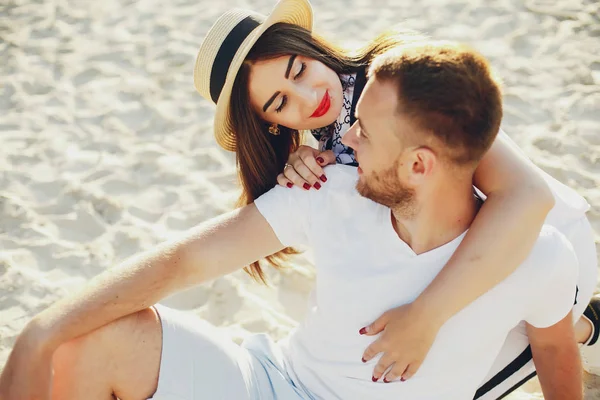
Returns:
<point x="380" y="234"/>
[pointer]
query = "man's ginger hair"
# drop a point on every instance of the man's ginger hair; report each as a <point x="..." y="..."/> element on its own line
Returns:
<point x="447" y="90"/>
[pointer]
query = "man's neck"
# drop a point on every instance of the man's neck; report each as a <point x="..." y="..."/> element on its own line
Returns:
<point x="440" y="217"/>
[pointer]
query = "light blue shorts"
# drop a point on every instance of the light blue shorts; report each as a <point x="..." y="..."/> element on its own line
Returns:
<point x="199" y="362"/>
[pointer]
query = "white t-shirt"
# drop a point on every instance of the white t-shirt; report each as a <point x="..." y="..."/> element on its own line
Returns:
<point x="569" y="206"/>
<point x="363" y="269"/>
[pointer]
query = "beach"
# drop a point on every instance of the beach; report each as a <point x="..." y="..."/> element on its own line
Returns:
<point x="107" y="149"/>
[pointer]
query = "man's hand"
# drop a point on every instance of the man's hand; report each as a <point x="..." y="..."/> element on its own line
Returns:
<point x="557" y="361"/>
<point x="406" y="339"/>
<point x="27" y="374"/>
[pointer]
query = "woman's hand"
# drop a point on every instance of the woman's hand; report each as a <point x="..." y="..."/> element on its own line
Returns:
<point x="27" y="374"/>
<point x="304" y="168"/>
<point x="407" y="335"/>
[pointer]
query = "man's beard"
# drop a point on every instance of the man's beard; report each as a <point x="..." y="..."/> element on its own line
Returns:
<point x="385" y="188"/>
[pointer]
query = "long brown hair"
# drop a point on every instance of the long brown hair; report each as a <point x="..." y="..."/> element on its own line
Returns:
<point x="262" y="156"/>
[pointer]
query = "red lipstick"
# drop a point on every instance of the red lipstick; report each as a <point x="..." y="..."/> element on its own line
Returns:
<point x="323" y="107"/>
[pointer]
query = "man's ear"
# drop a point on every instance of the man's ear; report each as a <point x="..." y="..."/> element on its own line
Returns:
<point x="423" y="161"/>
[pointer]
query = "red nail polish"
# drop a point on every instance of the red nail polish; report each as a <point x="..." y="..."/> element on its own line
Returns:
<point x="320" y="160"/>
<point x="363" y="360"/>
<point x="317" y="185"/>
<point x="402" y="379"/>
<point x="374" y="379"/>
<point x="323" y="178"/>
<point x="290" y="185"/>
<point x="363" y="331"/>
<point x="306" y="186"/>
<point x="385" y="380"/>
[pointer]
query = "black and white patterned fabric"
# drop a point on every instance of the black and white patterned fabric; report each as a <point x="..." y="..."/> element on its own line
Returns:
<point x="330" y="137"/>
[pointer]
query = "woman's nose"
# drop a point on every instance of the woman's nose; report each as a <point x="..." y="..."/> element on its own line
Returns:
<point x="309" y="98"/>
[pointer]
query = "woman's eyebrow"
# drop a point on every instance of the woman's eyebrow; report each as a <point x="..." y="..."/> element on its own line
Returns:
<point x="289" y="67"/>
<point x="287" y="75"/>
<point x="268" y="103"/>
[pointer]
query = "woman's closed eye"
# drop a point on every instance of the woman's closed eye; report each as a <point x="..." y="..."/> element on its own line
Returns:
<point x="282" y="104"/>
<point x="284" y="97"/>
<point x="301" y="72"/>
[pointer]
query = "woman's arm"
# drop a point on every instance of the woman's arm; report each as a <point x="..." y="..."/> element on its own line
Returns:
<point x="501" y="236"/>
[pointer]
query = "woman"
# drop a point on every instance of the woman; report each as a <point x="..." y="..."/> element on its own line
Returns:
<point x="271" y="78"/>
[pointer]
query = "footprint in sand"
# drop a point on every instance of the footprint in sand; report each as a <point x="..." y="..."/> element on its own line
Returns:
<point x="82" y="225"/>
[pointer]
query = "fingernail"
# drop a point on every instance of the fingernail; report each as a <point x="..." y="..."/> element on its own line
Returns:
<point x="402" y="379"/>
<point x="320" y="160"/>
<point x="323" y="178"/>
<point x="385" y="380"/>
<point x="363" y="331"/>
<point x="290" y="185"/>
<point x="306" y="186"/>
<point x="374" y="379"/>
<point x="317" y="185"/>
<point x="363" y="360"/>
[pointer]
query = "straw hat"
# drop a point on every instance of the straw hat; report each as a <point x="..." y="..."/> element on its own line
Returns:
<point x="224" y="49"/>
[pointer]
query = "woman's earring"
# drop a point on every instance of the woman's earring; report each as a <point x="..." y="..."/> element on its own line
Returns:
<point x="274" y="129"/>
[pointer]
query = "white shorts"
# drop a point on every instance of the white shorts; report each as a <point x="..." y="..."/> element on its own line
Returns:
<point x="199" y="362"/>
<point x="514" y="365"/>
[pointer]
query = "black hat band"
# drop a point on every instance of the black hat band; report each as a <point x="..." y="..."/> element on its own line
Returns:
<point x="226" y="52"/>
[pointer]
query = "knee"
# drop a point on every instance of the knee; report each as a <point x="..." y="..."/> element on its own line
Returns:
<point x="72" y="363"/>
<point x="99" y="346"/>
<point x="121" y="357"/>
<point x="66" y="356"/>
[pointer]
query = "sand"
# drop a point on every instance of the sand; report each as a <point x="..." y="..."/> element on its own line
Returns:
<point x="107" y="149"/>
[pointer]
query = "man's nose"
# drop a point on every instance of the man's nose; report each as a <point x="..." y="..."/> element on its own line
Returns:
<point x="349" y="138"/>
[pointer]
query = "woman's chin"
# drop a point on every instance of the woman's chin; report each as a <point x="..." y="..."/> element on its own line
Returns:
<point x="332" y="115"/>
<point x="317" y="123"/>
<point x="325" y="120"/>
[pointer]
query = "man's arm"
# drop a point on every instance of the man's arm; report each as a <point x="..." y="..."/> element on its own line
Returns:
<point x="216" y="248"/>
<point x="557" y="361"/>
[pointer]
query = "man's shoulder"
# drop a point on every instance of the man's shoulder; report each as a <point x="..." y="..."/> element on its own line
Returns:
<point x="341" y="176"/>
<point x="338" y="196"/>
<point x="340" y="188"/>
